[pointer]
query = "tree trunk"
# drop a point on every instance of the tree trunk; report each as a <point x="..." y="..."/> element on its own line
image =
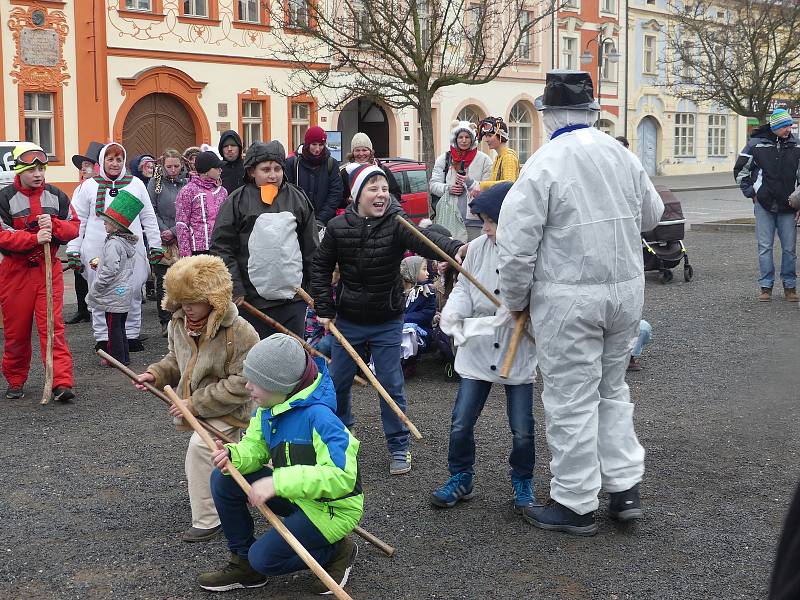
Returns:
<point x="425" y="113"/>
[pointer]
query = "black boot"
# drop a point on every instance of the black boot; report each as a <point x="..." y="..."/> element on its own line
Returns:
<point x="79" y="317"/>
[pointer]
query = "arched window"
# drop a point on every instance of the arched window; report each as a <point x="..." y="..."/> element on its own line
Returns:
<point x="470" y="113"/>
<point x="520" y="131"/>
<point x="606" y="126"/>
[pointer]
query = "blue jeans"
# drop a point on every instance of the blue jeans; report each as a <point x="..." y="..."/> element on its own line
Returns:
<point x="269" y="554"/>
<point x="645" y="333"/>
<point x="470" y="400"/>
<point x="767" y="223"/>
<point x="384" y="343"/>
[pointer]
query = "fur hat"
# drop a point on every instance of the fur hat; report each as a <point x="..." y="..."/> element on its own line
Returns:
<point x="201" y="278"/>
<point x="467" y="127"/>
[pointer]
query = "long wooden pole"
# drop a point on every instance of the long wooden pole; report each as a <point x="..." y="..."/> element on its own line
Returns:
<point x="287" y="535"/>
<point x="160" y="395"/>
<point x="365" y="369"/>
<point x="280" y="327"/>
<point x="511" y="353"/>
<point x="47" y="392"/>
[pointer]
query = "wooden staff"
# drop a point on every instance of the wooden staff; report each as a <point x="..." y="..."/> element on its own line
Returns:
<point x="377" y="542"/>
<point x="48" y="361"/>
<point x="262" y="508"/>
<point x="364" y="369"/>
<point x="161" y="396"/>
<point x="522" y="321"/>
<point x="279" y="327"/>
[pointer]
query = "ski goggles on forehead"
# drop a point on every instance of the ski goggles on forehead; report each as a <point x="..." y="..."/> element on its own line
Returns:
<point x="490" y="125"/>
<point x="31" y="157"/>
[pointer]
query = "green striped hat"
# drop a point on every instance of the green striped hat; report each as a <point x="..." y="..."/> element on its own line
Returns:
<point x="780" y="118"/>
<point x="124" y="208"/>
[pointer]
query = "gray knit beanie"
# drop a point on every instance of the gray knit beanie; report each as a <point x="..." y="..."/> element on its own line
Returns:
<point x="276" y="363"/>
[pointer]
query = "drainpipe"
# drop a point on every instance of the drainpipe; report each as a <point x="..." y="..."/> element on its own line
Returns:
<point x="627" y="68"/>
<point x="553" y="39"/>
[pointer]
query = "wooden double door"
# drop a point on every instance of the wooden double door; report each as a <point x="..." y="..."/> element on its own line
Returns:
<point x="155" y="123"/>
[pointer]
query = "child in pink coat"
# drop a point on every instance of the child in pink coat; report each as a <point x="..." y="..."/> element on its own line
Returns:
<point x="197" y="205"/>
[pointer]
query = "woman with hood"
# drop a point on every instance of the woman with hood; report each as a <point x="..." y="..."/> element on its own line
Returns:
<point x="143" y="166"/>
<point x="230" y="149"/>
<point x="456" y="173"/>
<point x="316" y="172"/>
<point x="266" y="234"/>
<point x="89" y="203"/>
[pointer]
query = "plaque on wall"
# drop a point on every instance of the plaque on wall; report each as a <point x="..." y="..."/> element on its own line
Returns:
<point x="40" y="47"/>
<point x="223" y="126"/>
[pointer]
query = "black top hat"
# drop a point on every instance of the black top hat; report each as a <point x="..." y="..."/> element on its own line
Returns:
<point x="569" y="90"/>
<point x="92" y="154"/>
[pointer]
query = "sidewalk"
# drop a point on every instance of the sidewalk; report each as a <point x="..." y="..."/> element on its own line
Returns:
<point x="694" y="183"/>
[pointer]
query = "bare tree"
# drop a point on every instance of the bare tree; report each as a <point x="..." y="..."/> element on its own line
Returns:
<point x="401" y="52"/>
<point x="740" y="54"/>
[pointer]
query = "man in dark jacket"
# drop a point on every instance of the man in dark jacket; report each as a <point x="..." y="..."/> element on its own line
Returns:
<point x="230" y="149"/>
<point x="767" y="171"/>
<point x="316" y="172"/>
<point x="368" y="244"/>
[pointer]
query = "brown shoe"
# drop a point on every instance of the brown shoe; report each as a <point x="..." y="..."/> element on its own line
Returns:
<point x="634" y="364"/>
<point x="790" y="294"/>
<point x="765" y="295"/>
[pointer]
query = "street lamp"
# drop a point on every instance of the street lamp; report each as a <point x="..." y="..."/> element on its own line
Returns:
<point x="613" y="57"/>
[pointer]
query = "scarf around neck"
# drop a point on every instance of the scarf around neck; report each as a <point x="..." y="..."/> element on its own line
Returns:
<point x="196" y="328"/>
<point x="104" y="185"/>
<point x="466" y="156"/>
<point x="314" y="160"/>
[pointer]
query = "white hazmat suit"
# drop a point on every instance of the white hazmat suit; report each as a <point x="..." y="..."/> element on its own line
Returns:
<point x="570" y="247"/>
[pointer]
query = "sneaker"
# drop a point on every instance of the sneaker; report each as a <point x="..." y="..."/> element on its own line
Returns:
<point x="339" y="566"/>
<point x="625" y="506"/>
<point x="63" y="394"/>
<point x="790" y="294"/>
<point x="557" y="517"/>
<point x="523" y="493"/>
<point x="15" y="392"/>
<point x="237" y="574"/>
<point x="79" y="317"/>
<point x="453" y="491"/>
<point x="400" y="463"/>
<point x="195" y="534"/>
<point x="634" y="364"/>
<point x="765" y="295"/>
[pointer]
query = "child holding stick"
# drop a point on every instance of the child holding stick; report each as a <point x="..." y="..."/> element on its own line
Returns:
<point x="314" y="483"/>
<point x="368" y="243"/>
<point x="482" y="337"/>
<point x="208" y="341"/>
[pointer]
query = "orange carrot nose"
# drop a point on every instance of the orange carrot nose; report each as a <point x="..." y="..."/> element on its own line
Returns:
<point x="268" y="193"/>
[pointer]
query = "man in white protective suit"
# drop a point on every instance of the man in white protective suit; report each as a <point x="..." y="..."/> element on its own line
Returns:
<point x="570" y="248"/>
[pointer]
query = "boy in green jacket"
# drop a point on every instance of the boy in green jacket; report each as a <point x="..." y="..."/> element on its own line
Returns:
<point x="314" y="483"/>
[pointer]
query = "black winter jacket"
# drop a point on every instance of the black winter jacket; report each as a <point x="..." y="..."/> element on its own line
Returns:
<point x="768" y="169"/>
<point x="235" y="221"/>
<point x="369" y="251"/>
<point x="232" y="172"/>
<point x="321" y="183"/>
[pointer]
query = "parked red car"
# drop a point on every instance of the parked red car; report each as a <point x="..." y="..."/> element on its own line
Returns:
<point x="413" y="182"/>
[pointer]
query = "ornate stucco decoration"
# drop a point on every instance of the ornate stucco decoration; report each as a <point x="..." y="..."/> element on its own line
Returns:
<point x="39" y="35"/>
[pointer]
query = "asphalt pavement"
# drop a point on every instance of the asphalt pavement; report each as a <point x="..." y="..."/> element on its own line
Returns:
<point x="93" y="495"/>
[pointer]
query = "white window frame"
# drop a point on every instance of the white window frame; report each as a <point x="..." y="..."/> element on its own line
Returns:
<point x="572" y="5"/>
<point x="608" y="7"/>
<point x="35" y="115"/>
<point x="519" y="131"/>
<point x="573" y="63"/>
<point x="297" y="14"/>
<point x="650" y="54"/>
<point x="525" y="48"/>
<point x="191" y="8"/>
<point x="470" y="114"/>
<point x="684" y="136"/>
<point x="606" y="126"/>
<point x="717" y="135"/>
<point x="361" y="26"/>
<point x="137" y="5"/>
<point x="244" y="16"/>
<point x="251" y="122"/>
<point x="608" y="70"/>
<point x="300" y="124"/>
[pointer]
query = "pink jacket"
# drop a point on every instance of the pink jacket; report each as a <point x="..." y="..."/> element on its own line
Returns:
<point x="196" y="211"/>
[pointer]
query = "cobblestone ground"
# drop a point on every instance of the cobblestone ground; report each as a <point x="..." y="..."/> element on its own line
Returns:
<point x="93" y="495"/>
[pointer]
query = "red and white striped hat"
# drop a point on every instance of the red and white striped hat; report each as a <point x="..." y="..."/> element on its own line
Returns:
<point x="359" y="174"/>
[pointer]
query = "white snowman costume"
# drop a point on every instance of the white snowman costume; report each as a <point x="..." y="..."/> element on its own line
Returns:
<point x="92" y="236"/>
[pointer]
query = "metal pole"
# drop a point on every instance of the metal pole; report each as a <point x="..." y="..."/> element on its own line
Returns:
<point x="600" y="42"/>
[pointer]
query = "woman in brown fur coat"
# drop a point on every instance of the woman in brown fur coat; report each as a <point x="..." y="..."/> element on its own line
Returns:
<point x="208" y="342"/>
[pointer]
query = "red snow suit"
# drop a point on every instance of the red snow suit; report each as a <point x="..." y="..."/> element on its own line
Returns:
<point x="22" y="281"/>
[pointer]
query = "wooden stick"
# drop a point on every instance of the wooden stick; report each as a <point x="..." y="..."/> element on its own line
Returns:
<point x="377" y="542"/>
<point x="48" y="362"/>
<point x="262" y="508"/>
<point x="279" y="327"/>
<point x="512" y="346"/>
<point x="453" y="262"/>
<point x="365" y="369"/>
<point x="159" y="394"/>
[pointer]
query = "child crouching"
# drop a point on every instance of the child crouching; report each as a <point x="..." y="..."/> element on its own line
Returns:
<point x="208" y="342"/>
<point x="314" y="483"/>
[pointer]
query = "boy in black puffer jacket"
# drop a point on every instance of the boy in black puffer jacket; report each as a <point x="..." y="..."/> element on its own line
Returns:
<point x="368" y="244"/>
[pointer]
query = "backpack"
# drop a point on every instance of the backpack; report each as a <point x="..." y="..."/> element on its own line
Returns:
<point x="447" y="160"/>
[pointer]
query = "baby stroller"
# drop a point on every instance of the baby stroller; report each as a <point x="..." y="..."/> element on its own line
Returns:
<point x="663" y="247"/>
